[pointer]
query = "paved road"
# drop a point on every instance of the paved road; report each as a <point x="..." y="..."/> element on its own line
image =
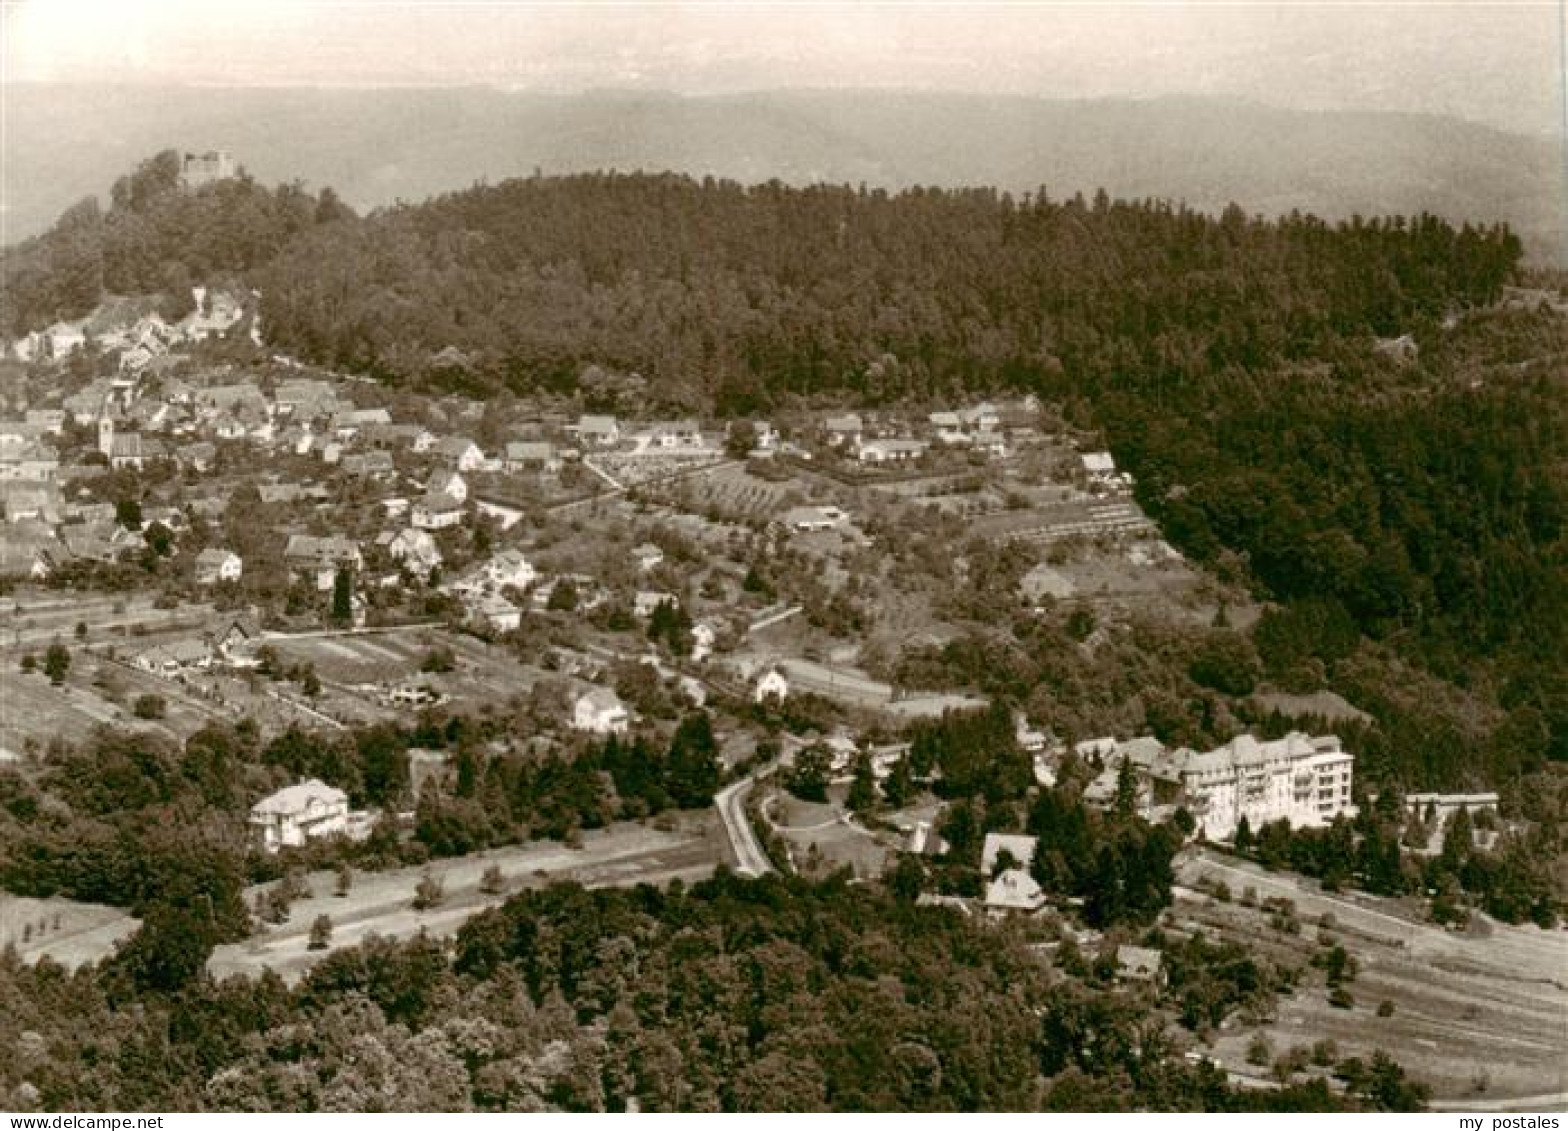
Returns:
<point x="730" y="801"/>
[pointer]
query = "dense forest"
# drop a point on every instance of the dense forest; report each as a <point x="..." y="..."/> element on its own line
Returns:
<point x="1416" y="496"/>
<point x="152" y="239"/>
<point x="133" y="820"/>
<point x="773" y="995"/>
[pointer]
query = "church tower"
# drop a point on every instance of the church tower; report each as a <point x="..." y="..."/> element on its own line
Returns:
<point x="105" y="431"/>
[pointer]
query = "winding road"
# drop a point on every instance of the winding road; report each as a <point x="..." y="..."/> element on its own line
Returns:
<point x="750" y="859"/>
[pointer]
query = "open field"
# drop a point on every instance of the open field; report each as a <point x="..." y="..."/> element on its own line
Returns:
<point x="1486" y="1008"/>
<point x="35" y="617"/>
<point x="32" y="711"/>
<point x="826" y="831"/>
<point x="346" y="661"/>
<point x="381" y="902"/>
<point x="367" y="658"/>
<point x="71" y="933"/>
<point x="96" y="691"/>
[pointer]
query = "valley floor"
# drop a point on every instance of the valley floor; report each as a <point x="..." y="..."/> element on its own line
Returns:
<point x="1478" y="1015"/>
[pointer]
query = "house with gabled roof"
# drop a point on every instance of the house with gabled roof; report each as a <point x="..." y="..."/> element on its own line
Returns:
<point x="460" y="453"/>
<point x="320" y="558"/>
<point x="300" y="813"/>
<point x="445" y="481"/>
<point x="170" y="659"/>
<point x="600" y="711"/>
<point x="845" y="430"/>
<point x="25" y="500"/>
<point x="29" y="549"/>
<point x="895" y="450"/>
<point x="771" y="685"/>
<point x="1004" y="864"/>
<point x="531" y="455"/>
<point x="437" y="510"/>
<point x="215" y="566"/>
<point x="1139" y="964"/>
<point x="598" y="431"/>
<point x="494" y="610"/>
<point x="416" y="551"/>
<point x="374" y="464"/>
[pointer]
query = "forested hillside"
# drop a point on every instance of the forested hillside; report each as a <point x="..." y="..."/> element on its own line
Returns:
<point x="152" y="239"/>
<point x="1231" y="361"/>
<point x="753" y="996"/>
<point x="1206" y="151"/>
<point x="1417" y="496"/>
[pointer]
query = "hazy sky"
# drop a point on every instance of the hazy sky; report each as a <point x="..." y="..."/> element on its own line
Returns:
<point x="1498" y="63"/>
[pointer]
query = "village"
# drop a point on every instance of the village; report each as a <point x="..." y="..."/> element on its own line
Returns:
<point x="192" y="539"/>
<point x="286" y="519"/>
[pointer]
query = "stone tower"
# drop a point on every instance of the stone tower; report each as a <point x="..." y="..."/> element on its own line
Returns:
<point x="105" y="430"/>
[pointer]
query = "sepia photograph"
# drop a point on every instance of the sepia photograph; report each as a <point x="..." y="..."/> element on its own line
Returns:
<point x="877" y="556"/>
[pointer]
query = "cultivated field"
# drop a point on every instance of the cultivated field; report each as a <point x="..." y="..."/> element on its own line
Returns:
<point x="346" y="662"/>
<point x="73" y="934"/>
<point x="33" y="617"/>
<point x="1476" y="1014"/>
<point x="380" y="903"/>
<point x="96" y="691"/>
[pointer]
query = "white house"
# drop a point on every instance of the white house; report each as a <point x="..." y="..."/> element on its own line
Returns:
<point x="813" y="520"/>
<point x="495" y="611"/>
<point x="645" y="601"/>
<point x="772" y="685"/>
<point x="601" y="431"/>
<point x="670" y="435"/>
<point x="460" y="453"/>
<point x="503" y="569"/>
<point x="510" y="567"/>
<point x="445" y="481"/>
<point x="169" y="660"/>
<point x="437" y="511"/>
<point x="890" y="451"/>
<point x="1100" y="467"/>
<point x="415" y="550"/>
<point x="531" y="455"/>
<point x="647" y="556"/>
<point x="704" y="635"/>
<point x="298" y="813"/>
<point x="600" y="711"/>
<point x="1011" y="888"/>
<point x="214" y="567"/>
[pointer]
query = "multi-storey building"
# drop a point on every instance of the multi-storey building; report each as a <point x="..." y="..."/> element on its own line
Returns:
<point x="1300" y="779"/>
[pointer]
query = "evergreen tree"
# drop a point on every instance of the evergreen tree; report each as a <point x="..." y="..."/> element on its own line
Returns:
<point x="57" y="662"/>
<point x="692" y="775"/>
<point x="1126" y="804"/>
<point x="863" y="789"/>
<point x="343" y="595"/>
<point x="899" y="787"/>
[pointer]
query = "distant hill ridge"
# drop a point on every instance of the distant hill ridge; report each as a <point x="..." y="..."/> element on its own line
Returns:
<point x="381" y="145"/>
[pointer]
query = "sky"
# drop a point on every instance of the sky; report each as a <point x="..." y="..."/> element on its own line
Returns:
<point x="1497" y="63"/>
